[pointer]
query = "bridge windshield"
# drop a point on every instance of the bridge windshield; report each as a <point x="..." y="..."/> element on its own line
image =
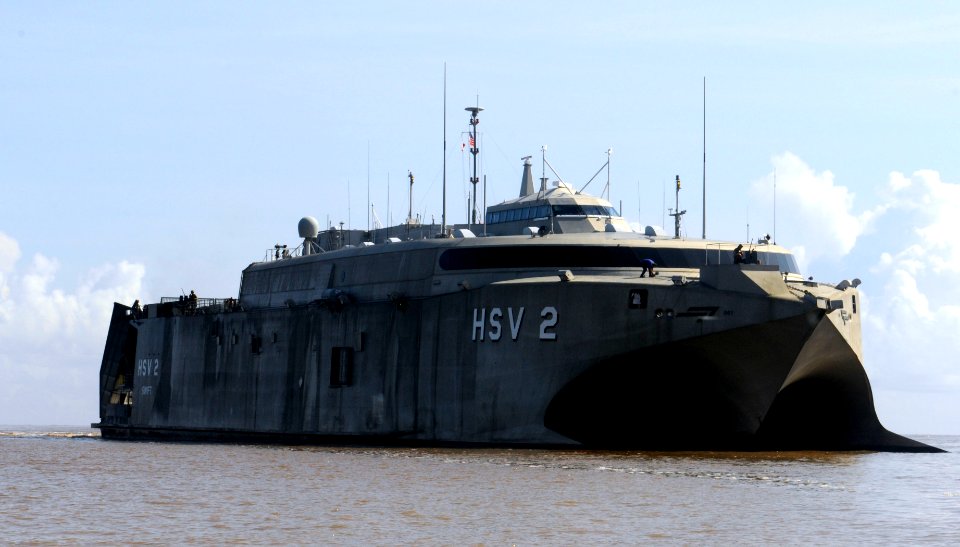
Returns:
<point x="579" y="210"/>
<point x="543" y="211"/>
<point x="585" y="256"/>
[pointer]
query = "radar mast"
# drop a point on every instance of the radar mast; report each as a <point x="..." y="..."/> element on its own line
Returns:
<point x="677" y="213"/>
<point x="474" y="149"/>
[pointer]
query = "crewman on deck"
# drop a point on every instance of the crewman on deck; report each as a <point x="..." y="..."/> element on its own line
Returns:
<point x="137" y="310"/>
<point x="738" y="255"/>
<point x="646" y="266"/>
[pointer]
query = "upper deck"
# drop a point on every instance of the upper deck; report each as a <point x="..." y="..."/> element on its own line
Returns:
<point x="430" y="267"/>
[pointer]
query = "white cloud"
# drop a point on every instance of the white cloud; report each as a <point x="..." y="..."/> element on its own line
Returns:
<point x="9" y="253"/>
<point x="898" y="182"/>
<point x="936" y="207"/>
<point x="912" y="321"/>
<point x="52" y="338"/>
<point x="812" y="208"/>
<point x="911" y="335"/>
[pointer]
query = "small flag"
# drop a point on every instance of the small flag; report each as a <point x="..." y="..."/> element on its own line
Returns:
<point x="473" y="142"/>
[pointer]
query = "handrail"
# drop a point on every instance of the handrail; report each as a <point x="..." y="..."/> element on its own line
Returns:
<point x="283" y="252"/>
<point x="726" y="246"/>
<point x="191" y="306"/>
<point x="186" y="302"/>
<point x="280" y="252"/>
<point x="707" y="249"/>
<point x="200" y="302"/>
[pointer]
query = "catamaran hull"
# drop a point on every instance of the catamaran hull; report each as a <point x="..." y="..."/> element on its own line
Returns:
<point x="526" y="363"/>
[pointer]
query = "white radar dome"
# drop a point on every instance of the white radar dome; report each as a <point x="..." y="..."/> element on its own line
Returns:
<point x="308" y="227"/>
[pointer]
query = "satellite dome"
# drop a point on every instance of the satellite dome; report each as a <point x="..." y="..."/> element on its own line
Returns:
<point x="308" y="227"/>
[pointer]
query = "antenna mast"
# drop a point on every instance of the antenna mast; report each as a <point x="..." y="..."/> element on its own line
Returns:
<point x="677" y="213"/>
<point x="474" y="149"/>
<point x="609" y="153"/>
<point x="410" y="209"/>
<point x="443" y="216"/>
<point x="704" y="157"/>
<point x="369" y="203"/>
<point x="484" y="203"/>
<point x="543" y="169"/>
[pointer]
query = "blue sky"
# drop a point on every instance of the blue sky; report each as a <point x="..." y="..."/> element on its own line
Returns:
<point x="149" y="148"/>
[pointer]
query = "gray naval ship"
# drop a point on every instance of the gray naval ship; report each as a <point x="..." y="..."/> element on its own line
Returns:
<point x="550" y="331"/>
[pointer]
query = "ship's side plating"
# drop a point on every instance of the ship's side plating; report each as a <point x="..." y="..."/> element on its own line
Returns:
<point x="387" y="345"/>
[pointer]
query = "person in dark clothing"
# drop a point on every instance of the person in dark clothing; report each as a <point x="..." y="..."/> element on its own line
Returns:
<point x="738" y="255"/>
<point x="646" y="265"/>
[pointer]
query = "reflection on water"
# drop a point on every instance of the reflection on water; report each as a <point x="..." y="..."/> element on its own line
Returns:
<point x="63" y="484"/>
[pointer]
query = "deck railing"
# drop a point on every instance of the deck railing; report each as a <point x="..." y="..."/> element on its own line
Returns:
<point x="188" y="306"/>
<point x="198" y="303"/>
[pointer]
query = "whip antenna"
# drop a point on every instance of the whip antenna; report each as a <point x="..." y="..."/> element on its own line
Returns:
<point x="443" y="216"/>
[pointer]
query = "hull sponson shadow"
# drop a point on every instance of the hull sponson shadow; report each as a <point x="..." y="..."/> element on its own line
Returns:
<point x="710" y="394"/>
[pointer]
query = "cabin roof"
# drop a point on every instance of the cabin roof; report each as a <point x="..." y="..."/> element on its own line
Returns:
<point x="560" y="194"/>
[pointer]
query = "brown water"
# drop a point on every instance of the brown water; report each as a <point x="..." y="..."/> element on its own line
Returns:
<point x="72" y="486"/>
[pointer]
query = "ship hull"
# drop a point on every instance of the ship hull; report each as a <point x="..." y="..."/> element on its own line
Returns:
<point x="539" y="362"/>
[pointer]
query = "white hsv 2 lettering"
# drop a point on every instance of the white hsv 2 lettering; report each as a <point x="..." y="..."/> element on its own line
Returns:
<point x="490" y="326"/>
<point x="148" y="367"/>
<point x="549" y="315"/>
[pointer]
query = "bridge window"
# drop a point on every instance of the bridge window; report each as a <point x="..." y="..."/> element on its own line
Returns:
<point x="600" y="210"/>
<point x="567" y="210"/>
